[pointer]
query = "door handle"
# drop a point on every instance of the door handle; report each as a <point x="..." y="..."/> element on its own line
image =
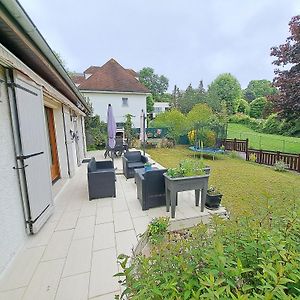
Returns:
<point x="29" y="155"/>
<point x="20" y="168"/>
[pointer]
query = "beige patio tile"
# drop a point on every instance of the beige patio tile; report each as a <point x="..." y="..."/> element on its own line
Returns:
<point x="44" y="282"/>
<point x="74" y="287"/>
<point x="140" y="224"/>
<point x="104" y="202"/>
<point x="12" y="294"/>
<point x="104" y="266"/>
<point x="122" y="221"/>
<point x="104" y="215"/>
<point x="84" y="227"/>
<point x="43" y="237"/>
<point x="68" y="220"/>
<point x="76" y="204"/>
<point x="135" y="209"/>
<point x="79" y="257"/>
<point x="110" y="296"/>
<point x="104" y="236"/>
<point x="22" y="269"/>
<point x="88" y="208"/>
<point x="119" y="205"/>
<point x="58" y="245"/>
<point x="126" y="241"/>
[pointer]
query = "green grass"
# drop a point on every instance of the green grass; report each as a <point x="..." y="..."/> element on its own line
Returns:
<point x="246" y="186"/>
<point x="264" y="141"/>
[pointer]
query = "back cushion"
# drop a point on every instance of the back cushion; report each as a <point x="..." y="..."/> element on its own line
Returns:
<point x="133" y="156"/>
<point x="92" y="165"/>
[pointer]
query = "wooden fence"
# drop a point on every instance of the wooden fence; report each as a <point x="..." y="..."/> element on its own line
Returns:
<point x="270" y="157"/>
<point x="265" y="157"/>
<point x="236" y="145"/>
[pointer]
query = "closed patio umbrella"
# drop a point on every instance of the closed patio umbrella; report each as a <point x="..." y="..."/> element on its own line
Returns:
<point x="111" y="128"/>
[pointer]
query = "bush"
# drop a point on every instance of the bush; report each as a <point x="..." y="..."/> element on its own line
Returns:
<point x="280" y="166"/>
<point x="243" y="107"/>
<point x="257" y="107"/>
<point x="272" y="125"/>
<point x="252" y="123"/>
<point x="249" y="258"/>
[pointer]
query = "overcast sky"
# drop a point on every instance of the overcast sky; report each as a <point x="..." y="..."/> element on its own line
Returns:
<point x="185" y="40"/>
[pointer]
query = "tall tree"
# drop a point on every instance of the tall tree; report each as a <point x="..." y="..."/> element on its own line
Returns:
<point x="157" y="84"/>
<point x="287" y="80"/>
<point x="224" y="88"/>
<point x="259" y="88"/>
<point x="190" y="97"/>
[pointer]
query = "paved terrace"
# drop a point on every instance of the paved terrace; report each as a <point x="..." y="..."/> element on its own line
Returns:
<point x="74" y="256"/>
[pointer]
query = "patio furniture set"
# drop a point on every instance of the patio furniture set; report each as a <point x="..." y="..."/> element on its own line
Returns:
<point x="154" y="187"/>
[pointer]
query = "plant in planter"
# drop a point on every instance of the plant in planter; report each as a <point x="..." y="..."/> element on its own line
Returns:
<point x="189" y="175"/>
<point x="148" y="166"/>
<point x="213" y="198"/>
<point x="156" y="229"/>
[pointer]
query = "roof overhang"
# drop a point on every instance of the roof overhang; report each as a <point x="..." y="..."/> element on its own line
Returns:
<point x="21" y="37"/>
<point x="114" y="92"/>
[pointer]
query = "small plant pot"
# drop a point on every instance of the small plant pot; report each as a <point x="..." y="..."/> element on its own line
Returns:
<point x="213" y="201"/>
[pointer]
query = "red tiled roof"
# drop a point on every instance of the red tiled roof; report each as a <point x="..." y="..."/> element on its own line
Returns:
<point x="132" y="72"/>
<point x="78" y="78"/>
<point x="112" y="77"/>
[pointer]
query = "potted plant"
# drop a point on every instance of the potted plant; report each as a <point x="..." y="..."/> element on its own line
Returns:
<point x="189" y="175"/>
<point x="148" y="166"/>
<point x="213" y="198"/>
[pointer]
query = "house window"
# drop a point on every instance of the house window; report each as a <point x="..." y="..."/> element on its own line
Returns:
<point x="124" y="101"/>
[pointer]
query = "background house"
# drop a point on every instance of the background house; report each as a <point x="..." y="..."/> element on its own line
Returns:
<point x="41" y="129"/>
<point x="159" y="107"/>
<point x="116" y="85"/>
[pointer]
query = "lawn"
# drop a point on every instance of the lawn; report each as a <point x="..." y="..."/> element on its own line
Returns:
<point x="264" y="141"/>
<point x="246" y="186"/>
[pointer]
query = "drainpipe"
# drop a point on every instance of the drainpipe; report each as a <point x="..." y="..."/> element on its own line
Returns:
<point x="66" y="143"/>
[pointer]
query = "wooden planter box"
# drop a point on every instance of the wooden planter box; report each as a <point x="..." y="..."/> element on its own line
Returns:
<point x="175" y="185"/>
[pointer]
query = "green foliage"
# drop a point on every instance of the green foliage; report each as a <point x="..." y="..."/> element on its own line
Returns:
<point x="280" y="166"/>
<point x="199" y="115"/>
<point x="155" y="83"/>
<point x="272" y="125"/>
<point x="257" y="107"/>
<point x="243" y="107"/>
<point x="128" y="129"/>
<point x="252" y="157"/>
<point x="259" y="88"/>
<point x="150" y="103"/>
<point x="245" y="258"/>
<point x="252" y="123"/>
<point x="174" y="120"/>
<point x="187" y="168"/>
<point x="156" y="229"/>
<point x="224" y="88"/>
<point x="191" y="97"/>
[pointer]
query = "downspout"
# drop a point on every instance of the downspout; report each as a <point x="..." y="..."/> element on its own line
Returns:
<point x="20" y="165"/>
<point x="66" y="143"/>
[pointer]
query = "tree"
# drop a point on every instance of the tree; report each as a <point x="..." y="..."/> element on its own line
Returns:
<point x="287" y="102"/>
<point x="257" y="107"/>
<point x="128" y="129"/>
<point x="224" y="88"/>
<point x="259" y="88"/>
<point x="191" y="97"/>
<point x="157" y="84"/>
<point x="63" y="63"/>
<point x="174" y="120"/>
<point x="150" y="103"/>
<point x="243" y="107"/>
<point x="199" y="115"/>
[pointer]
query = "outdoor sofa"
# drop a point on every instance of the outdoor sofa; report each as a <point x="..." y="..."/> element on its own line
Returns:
<point x="151" y="188"/>
<point x="133" y="160"/>
<point x="101" y="179"/>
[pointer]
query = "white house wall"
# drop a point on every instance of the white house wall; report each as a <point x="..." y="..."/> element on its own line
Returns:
<point x="12" y="225"/>
<point x="101" y="100"/>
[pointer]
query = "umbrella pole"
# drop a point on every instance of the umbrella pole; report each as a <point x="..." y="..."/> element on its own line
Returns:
<point x="144" y="130"/>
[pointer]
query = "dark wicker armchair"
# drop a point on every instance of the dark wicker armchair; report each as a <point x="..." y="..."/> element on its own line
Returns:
<point x="133" y="160"/>
<point x="151" y="188"/>
<point x="101" y="179"/>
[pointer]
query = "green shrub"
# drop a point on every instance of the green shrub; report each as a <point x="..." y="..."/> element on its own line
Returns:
<point x="280" y="166"/>
<point x="157" y="228"/>
<point x="252" y="157"/>
<point x="243" y="107"/>
<point x="272" y="125"/>
<point x="235" y="259"/>
<point x="257" y="107"/>
<point x="240" y="118"/>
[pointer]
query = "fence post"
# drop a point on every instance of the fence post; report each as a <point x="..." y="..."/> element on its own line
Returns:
<point x="234" y="144"/>
<point x="278" y="155"/>
<point x="298" y="164"/>
<point x="247" y="145"/>
<point x="260" y="156"/>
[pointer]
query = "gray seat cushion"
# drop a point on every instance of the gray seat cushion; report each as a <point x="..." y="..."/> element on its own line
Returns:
<point x="133" y="165"/>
